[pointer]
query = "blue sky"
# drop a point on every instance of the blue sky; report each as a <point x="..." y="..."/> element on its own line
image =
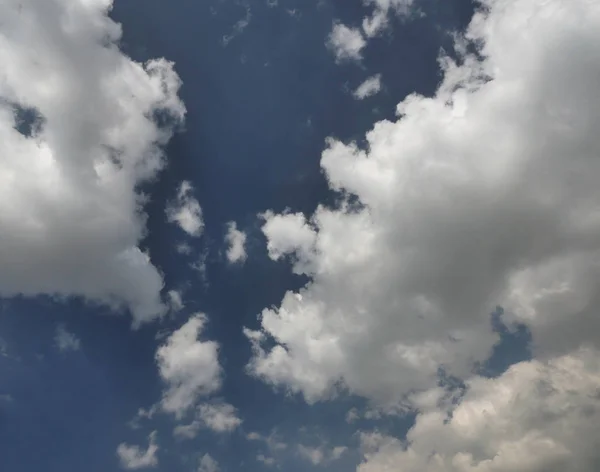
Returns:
<point x="281" y="235"/>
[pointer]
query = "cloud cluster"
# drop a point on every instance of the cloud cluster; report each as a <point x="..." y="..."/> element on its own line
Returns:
<point x="79" y="133"/>
<point x="485" y="194"/>
<point x="538" y="416"/>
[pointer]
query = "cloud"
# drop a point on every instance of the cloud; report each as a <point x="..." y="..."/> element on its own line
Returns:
<point x="379" y="19"/>
<point x="78" y="135"/>
<point x="314" y="455"/>
<point x="186" y="211"/>
<point x="219" y="417"/>
<point x="346" y="43"/>
<point x="208" y="464"/>
<point x="485" y="194"/>
<point x="66" y="341"/>
<point x="190" y="367"/>
<point x="369" y="87"/>
<point x="537" y="416"/>
<point x="133" y="457"/>
<point x="266" y="460"/>
<point x="238" y="28"/>
<point x="320" y="455"/>
<point x="236" y="242"/>
<point x="175" y="300"/>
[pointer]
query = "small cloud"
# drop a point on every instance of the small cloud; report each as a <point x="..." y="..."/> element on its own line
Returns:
<point x="238" y="28"/>
<point x="218" y="417"/>
<point x="338" y="452"/>
<point x="183" y="248"/>
<point x="6" y="398"/>
<point x="188" y="366"/>
<point x="369" y="87"/>
<point x="312" y="454"/>
<point x="175" y="300"/>
<point x="186" y="211"/>
<point x="346" y="43"/>
<point x="66" y="341"/>
<point x="266" y="460"/>
<point x="352" y="415"/>
<point x="133" y="457"/>
<point x="236" y="241"/>
<point x="208" y="464"/>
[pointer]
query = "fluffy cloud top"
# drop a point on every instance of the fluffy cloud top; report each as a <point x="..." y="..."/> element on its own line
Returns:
<point x="133" y="457"/>
<point x="369" y="87"/>
<point x="538" y="416"/>
<point x="190" y="367"/>
<point x="485" y="194"/>
<point x="185" y="211"/>
<point x="78" y="136"/>
<point x="236" y="242"/>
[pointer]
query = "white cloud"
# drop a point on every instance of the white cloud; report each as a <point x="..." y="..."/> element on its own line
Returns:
<point x="190" y="367"/>
<point x="485" y="194"/>
<point x="134" y="457"/>
<point x="346" y="43"/>
<point x="238" y="28"/>
<point x="352" y="415"/>
<point x="77" y="138"/>
<point x="236" y="241"/>
<point x="338" y="452"/>
<point x="321" y="455"/>
<point x="175" y="300"/>
<point x="368" y="88"/>
<point x="219" y="417"/>
<point x="208" y="464"/>
<point x="266" y="460"/>
<point x="314" y="455"/>
<point x="538" y="416"/>
<point x="185" y="211"/>
<point x="66" y="341"/>
<point x="379" y="19"/>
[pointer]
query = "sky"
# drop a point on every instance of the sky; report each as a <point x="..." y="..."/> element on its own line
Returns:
<point x="263" y="235"/>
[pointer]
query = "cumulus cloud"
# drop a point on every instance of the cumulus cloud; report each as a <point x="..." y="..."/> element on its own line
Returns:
<point x="219" y="417"/>
<point x="369" y="87"/>
<point x="208" y="464"/>
<point x="484" y="194"/>
<point x="78" y="135"/>
<point x="66" y="341"/>
<point x="134" y="457"/>
<point x="346" y="43"/>
<point x="236" y="242"/>
<point x="190" y="367"/>
<point x="538" y="416"/>
<point x="185" y="211"/>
